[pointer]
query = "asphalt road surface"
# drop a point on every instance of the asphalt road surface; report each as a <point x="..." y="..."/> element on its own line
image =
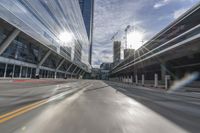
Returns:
<point x="86" y="106"/>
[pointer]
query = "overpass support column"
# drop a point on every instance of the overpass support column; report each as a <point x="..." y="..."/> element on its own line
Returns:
<point x="42" y="61"/>
<point x="167" y="81"/>
<point x="143" y="78"/>
<point x="163" y="72"/>
<point x="9" y="40"/>
<point x="125" y="79"/>
<point x="156" y="80"/>
<point x="131" y="80"/>
<point x="136" y="79"/>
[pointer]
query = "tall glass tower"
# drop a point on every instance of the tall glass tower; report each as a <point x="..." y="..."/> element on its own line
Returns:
<point x="87" y="9"/>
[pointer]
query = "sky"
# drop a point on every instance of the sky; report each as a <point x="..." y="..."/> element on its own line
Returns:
<point x="150" y="16"/>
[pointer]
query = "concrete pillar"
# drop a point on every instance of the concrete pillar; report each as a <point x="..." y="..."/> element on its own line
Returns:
<point x="131" y="79"/>
<point x="26" y="72"/>
<point x="55" y="76"/>
<point x="167" y="82"/>
<point x="31" y="72"/>
<point x="136" y="79"/>
<point x="163" y="72"/>
<point x="155" y="80"/>
<point x="13" y="72"/>
<point x="9" y="40"/>
<point x="5" y="70"/>
<point x="20" y="72"/>
<point x="143" y="78"/>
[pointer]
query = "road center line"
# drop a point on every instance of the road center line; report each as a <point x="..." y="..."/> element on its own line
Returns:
<point x="22" y="110"/>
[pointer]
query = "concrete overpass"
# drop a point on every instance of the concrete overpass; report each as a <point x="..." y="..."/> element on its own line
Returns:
<point x="173" y="52"/>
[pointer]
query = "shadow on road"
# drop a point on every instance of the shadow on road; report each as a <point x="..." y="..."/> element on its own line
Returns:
<point x="183" y="118"/>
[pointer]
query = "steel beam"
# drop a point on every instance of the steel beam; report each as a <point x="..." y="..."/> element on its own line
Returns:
<point x="8" y="40"/>
<point x="82" y="72"/>
<point x="78" y="71"/>
<point x="60" y="64"/>
<point x="44" y="58"/>
<point x="42" y="61"/>
<point x="74" y="71"/>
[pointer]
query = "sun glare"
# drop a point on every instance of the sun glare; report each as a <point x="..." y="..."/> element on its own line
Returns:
<point x="134" y="39"/>
<point x="65" y="37"/>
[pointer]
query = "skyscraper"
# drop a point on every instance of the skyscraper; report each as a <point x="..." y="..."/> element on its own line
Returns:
<point x="116" y="51"/>
<point x="87" y="9"/>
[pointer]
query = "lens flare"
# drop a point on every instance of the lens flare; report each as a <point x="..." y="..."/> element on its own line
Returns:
<point x="65" y="37"/>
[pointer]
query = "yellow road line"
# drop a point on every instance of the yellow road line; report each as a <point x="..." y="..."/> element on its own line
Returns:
<point x="20" y="111"/>
<point x="17" y="110"/>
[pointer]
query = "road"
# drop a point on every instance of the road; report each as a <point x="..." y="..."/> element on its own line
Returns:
<point x="86" y="106"/>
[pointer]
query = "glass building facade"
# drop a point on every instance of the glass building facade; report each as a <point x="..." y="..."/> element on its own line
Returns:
<point x="44" y="25"/>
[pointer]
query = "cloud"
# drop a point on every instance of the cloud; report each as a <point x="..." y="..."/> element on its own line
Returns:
<point x="161" y="3"/>
<point x="111" y="16"/>
<point x="114" y="15"/>
<point x="179" y="12"/>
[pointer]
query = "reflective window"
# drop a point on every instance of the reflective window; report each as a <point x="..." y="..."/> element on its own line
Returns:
<point x="17" y="71"/>
<point x="24" y="69"/>
<point x="9" y="70"/>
